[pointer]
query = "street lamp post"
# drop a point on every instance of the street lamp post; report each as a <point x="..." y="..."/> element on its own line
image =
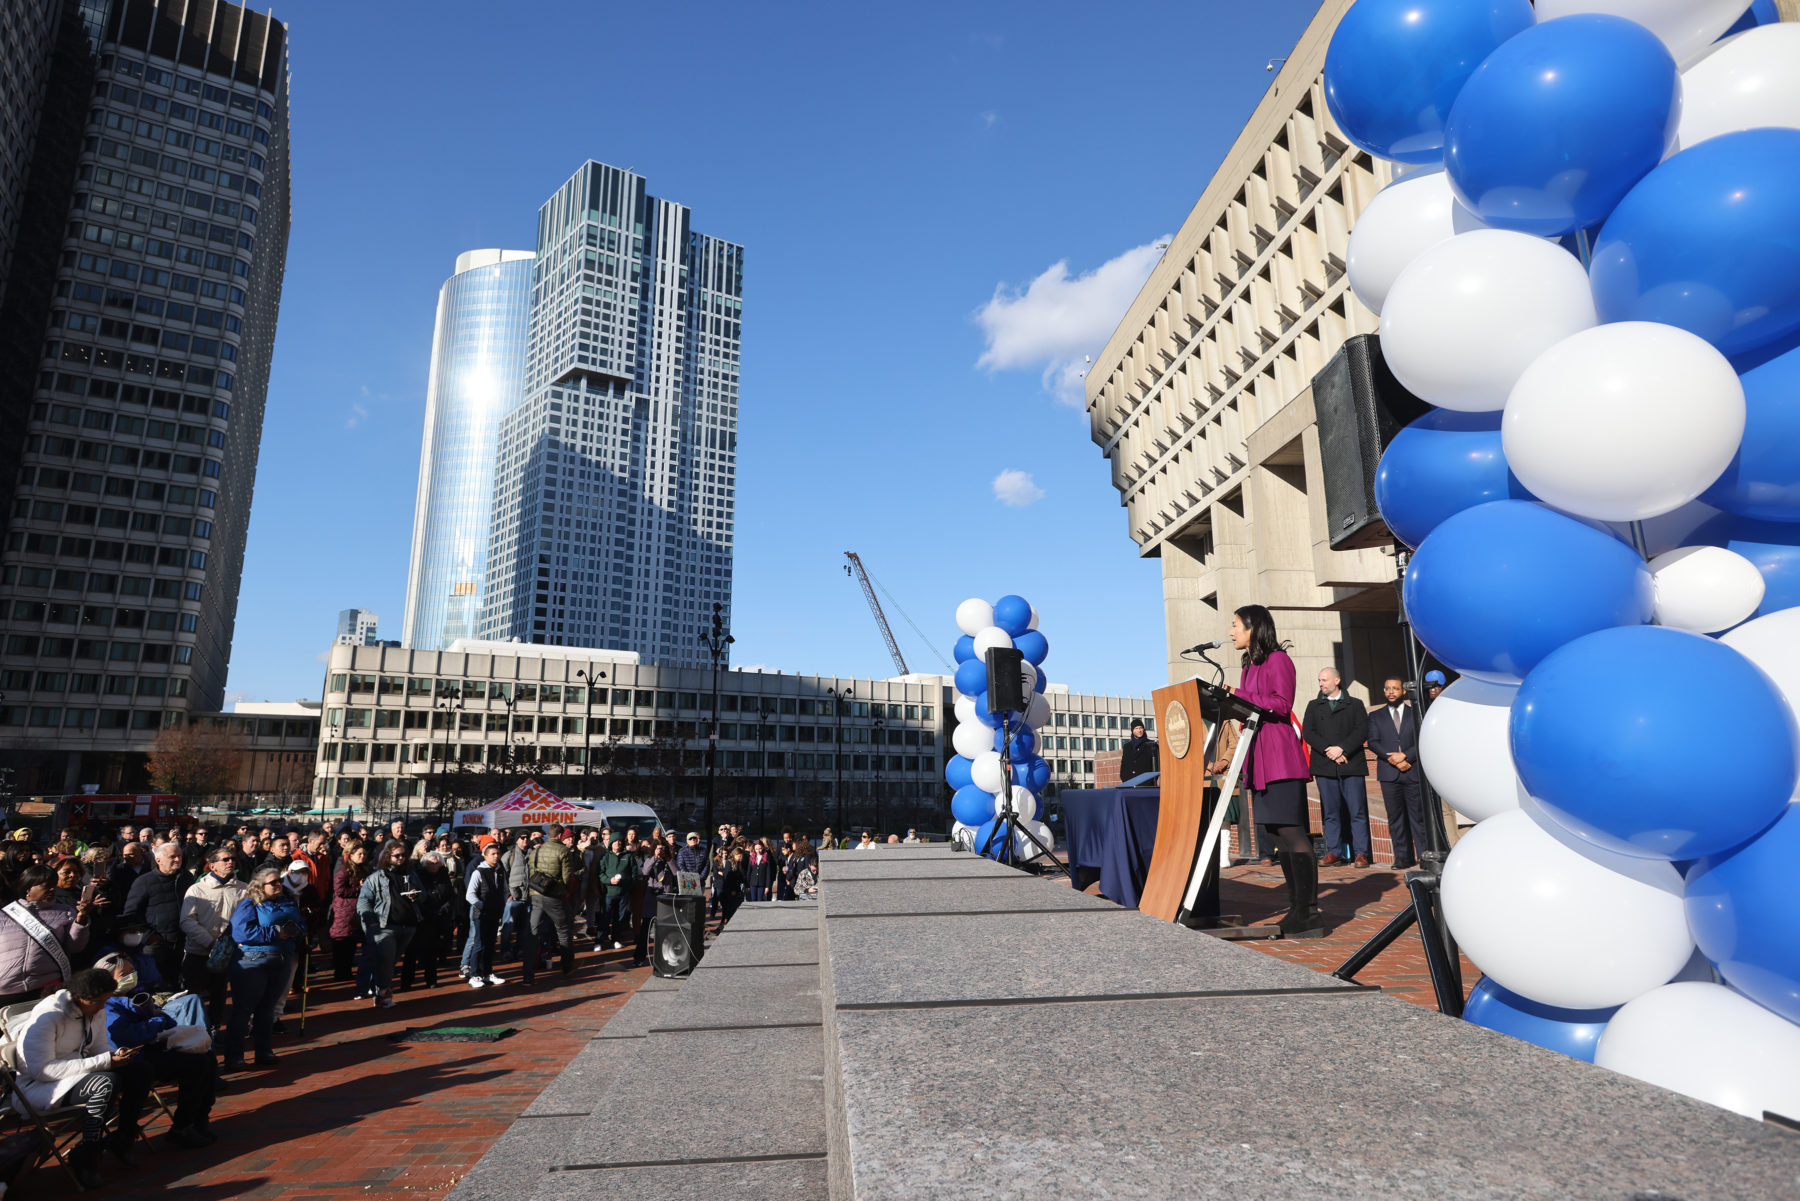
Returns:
<point x="449" y="705"/>
<point x="880" y="723"/>
<point x="715" y="641"/>
<point x="587" y="732"/>
<point x="762" y="768"/>
<point x="838" y="701"/>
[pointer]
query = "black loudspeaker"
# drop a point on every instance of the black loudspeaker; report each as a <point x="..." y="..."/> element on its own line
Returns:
<point x="1359" y="406"/>
<point x="1005" y="679"/>
<point x="680" y="934"/>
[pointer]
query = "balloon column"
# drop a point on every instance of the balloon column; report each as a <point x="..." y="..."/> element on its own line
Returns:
<point x="978" y="772"/>
<point x="1593" y="272"/>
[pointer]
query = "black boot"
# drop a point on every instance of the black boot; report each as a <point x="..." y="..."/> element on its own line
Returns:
<point x="84" y="1163"/>
<point x="1304" y="920"/>
<point x="120" y="1142"/>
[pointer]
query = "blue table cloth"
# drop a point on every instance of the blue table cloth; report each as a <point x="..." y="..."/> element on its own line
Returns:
<point x="1111" y="835"/>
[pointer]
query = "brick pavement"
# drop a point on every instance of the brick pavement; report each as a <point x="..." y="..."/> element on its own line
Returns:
<point x="350" y="1114"/>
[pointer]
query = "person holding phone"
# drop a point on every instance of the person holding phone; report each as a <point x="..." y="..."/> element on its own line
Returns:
<point x="268" y="928"/>
<point x="389" y="908"/>
<point x="134" y="1021"/>
<point x="67" y="1058"/>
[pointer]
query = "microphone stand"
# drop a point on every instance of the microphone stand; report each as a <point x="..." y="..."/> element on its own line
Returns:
<point x="1007" y="822"/>
<point x="1424" y="884"/>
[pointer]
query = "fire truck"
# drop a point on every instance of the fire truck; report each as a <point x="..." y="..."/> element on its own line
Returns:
<point x="98" y="812"/>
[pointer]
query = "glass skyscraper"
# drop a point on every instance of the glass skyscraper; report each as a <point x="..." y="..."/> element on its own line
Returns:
<point x="615" y="479"/>
<point x="477" y="376"/>
<point x="163" y="149"/>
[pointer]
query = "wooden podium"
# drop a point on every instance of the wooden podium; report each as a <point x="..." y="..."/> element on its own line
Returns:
<point x="1179" y="822"/>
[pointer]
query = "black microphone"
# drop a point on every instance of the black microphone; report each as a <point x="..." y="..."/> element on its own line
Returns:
<point x="1205" y="646"/>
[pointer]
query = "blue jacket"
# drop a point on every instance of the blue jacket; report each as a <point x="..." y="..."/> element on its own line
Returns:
<point x="128" y="1029"/>
<point x="693" y="859"/>
<point x="253" y="929"/>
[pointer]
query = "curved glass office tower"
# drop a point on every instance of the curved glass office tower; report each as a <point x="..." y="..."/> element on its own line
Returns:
<point x="477" y="377"/>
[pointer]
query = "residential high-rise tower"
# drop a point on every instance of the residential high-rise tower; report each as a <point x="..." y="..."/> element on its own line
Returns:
<point x="616" y="474"/>
<point x="124" y="540"/>
<point x="477" y="376"/>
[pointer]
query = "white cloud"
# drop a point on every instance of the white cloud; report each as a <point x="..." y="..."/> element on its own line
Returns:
<point x="1016" y="488"/>
<point x="989" y="119"/>
<point x="1058" y="318"/>
<point x="358" y="415"/>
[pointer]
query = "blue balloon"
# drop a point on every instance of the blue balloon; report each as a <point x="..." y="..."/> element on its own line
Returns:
<point x="956" y="772"/>
<point x="1763" y="12"/>
<point x="1741" y="911"/>
<point x="1024" y="745"/>
<point x="1763" y="481"/>
<point x="1035" y="777"/>
<point x="1441" y="464"/>
<point x="1033" y="645"/>
<point x="965" y="649"/>
<point x="971" y="806"/>
<point x="1012" y="614"/>
<point x="990" y="720"/>
<point x="1043" y="680"/>
<point x="1002" y="848"/>
<point x="1571" y="1032"/>
<point x="1774" y="546"/>
<point x="1708" y="242"/>
<point x="971" y="678"/>
<point x="1597" y="758"/>
<point x="1558" y="124"/>
<point x="1394" y="68"/>
<point x="1494" y="589"/>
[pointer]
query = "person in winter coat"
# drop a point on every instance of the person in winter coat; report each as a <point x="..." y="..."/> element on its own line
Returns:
<point x="551" y="873"/>
<point x="800" y="872"/>
<point x="1334" y="729"/>
<point x="437" y="917"/>
<point x="729" y="884"/>
<point x="133" y="1020"/>
<point x="389" y="908"/>
<point x="155" y="901"/>
<point x="268" y="929"/>
<point x="27" y="964"/>
<point x="518" y="894"/>
<point x="298" y="880"/>
<point x="659" y="878"/>
<point x="760" y="870"/>
<point x="617" y="875"/>
<point x="206" y="912"/>
<point x="346" y="886"/>
<point x="487" y="899"/>
<point x="67" y="1058"/>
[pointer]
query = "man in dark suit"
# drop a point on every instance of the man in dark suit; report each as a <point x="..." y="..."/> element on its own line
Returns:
<point x="1394" y="737"/>
<point x="1334" y="728"/>
<point x="1140" y="754"/>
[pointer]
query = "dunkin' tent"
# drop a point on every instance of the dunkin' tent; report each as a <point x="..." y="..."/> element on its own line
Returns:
<point x="530" y="804"/>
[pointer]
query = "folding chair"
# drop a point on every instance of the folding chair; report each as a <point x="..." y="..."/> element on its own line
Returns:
<point x="57" y="1128"/>
<point x="12" y="1020"/>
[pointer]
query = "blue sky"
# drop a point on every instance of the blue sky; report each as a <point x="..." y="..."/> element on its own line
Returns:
<point x="943" y="206"/>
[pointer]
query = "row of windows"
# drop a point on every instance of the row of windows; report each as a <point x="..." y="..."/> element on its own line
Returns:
<point x="122" y="456"/>
<point x="643" y="698"/>
<point x="78" y="682"/>
<point x="102" y="617"/>
<point x="184" y="86"/>
<point x="125" y="489"/>
<point x="103" y="582"/>
<point x="176" y="557"/>
<point x="125" y="423"/>
<point x="87" y="719"/>
<point x="405" y="752"/>
<point x="155" y="306"/>
<point x="617" y="727"/>
<point x="96" y="648"/>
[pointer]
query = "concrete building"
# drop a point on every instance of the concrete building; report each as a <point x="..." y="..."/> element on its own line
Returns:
<point x="614" y="495"/>
<point x="1202" y="400"/>
<point x="414" y="729"/>
<point x="28" y="30"/>
<point x="124" y="541"/>
<point x="477" y="376"/>
<point x="358" y="627"/>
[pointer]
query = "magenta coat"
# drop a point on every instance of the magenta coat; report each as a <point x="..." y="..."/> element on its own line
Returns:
<point x="1277" y="754"/>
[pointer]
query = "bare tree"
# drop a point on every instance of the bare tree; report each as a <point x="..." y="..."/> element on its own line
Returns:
<point x="195" y="760"/>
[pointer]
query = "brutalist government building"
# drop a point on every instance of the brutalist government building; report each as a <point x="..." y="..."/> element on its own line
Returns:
<point x="147" y="247"/>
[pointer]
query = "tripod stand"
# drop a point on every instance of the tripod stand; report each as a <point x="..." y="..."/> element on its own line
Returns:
<point x="1426" y="907"/>
<point x="1007" y="822"/>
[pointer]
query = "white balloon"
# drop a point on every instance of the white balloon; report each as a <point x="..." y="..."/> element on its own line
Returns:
<point x="1406" y="218"/>
<point x="1465" y="748"/>
<point x="974" y="615"/>
<point x="1032" y="624"/>
<point x="1028" y="850"/>
<point x="1038" y="717"/>
<point x="1578" y="930"/>
<point x="993" y="636"/>
<point x="965" y="711"/>
<point x="1624" y="421"/>
<point x="1772" y="642"/>
<point x="986" y="772"/>
<point x="1709" y="1043"/>
<point x="1705" y="588"/>
<point x="972" y="739"/>
<point x="1468" y="316"/>
<point x="1025" y="801"/>
<point x="1749" y="81"/>
<point x="1687" y="27"/>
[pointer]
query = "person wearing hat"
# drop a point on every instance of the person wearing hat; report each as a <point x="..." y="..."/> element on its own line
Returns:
<point x="1434" y="684"/>
<point x="692" y="857"/>
<point x="1140" y="755"/>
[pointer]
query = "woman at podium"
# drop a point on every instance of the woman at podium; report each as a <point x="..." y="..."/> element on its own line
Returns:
<point x="1277" y="768"/>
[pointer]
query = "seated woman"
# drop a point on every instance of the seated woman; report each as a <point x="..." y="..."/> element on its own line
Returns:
<point x="67" y="1058"/>
<point x="134" y="1021"/>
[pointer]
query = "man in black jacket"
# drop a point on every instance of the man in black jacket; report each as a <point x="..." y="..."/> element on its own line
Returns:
<point x="155" y="901"/>
<point x="1394" y="737"/>
<point x="1334" y="729"/>
<point x="1140" y="754"/>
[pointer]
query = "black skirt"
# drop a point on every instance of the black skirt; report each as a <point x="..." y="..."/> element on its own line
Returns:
<point x="1282" y="803"/>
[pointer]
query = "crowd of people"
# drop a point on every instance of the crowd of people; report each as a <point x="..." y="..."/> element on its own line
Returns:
<point x="142" y="955"/>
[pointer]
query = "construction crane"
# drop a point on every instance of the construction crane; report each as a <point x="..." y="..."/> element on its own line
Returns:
<point x="855" y="568"/>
